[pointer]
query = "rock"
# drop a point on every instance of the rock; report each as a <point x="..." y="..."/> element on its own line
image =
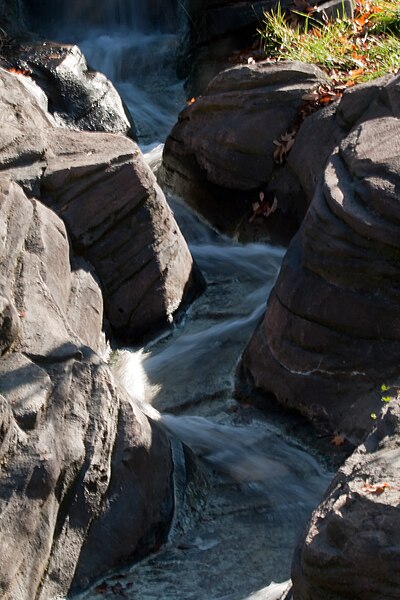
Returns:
<point x="9" y="325"/>
<point x="116" y="214"/>
<point x="215" y="31"/>
<point x="75" y="450"/>
<point x="330" y="336"/>
<point x="315" y="141"/>
<point x="27" y="388"/>
<point x="220" y="154"/>
<point x="350" y="548"/>
<point x="78" y="97"/>
<point x="11" y="17"/>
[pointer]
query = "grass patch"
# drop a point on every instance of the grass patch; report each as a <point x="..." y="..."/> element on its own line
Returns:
<point x="350" y="50"/>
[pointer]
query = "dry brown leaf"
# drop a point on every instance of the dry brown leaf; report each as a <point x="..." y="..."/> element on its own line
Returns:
<point x="283" y="146"/>
<point x="19" y="71"/>
<point x="375" y="488"/>
<point x="338" y="439"/>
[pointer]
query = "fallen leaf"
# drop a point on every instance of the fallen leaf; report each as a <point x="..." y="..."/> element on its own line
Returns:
<point x="338" y="439"/>
<point x="361" y="20"/>
<point x="263" y="208"/>
<point x="356" y="73"/>
<point x="102" y="588"/>
<point x="19" y="71"/>
<point x="375" y="488"/>
<point x="283" y="146"/>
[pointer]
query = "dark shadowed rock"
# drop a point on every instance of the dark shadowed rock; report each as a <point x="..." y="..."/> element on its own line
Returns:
<point x="215" y="30"/>
<point x="220" y="155"/>
<point x="78" y="97"/>
<point x="115" y="212"/>
<point x="9" y="324"/>
<point x="11" y="17"/>
<point x="315" y="141"/>
<point x="350" y="549"/>
<point x="330" y="336"/>
<point x="75" y="451"/>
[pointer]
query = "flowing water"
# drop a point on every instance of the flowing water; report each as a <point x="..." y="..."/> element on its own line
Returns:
<point x="259" y="486"/>
<point x="236" y="525"/>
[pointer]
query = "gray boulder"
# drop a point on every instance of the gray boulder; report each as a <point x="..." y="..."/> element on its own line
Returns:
<point x="75" y="451"/>
<point x="116" y="214"/>
<point x="220" y="154"/>
<point x="350" y="549"/>
<point x="330" y="336"/>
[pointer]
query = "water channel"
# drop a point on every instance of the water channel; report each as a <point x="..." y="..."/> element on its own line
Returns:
<point x="254" y="488"/>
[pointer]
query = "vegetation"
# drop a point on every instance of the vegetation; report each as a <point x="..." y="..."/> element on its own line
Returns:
<point x="350" y="50"/>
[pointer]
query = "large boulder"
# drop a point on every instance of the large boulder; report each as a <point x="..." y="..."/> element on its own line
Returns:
<point x="331" y="333"/>
<point x="116" y="214"/>
<point x="220" y="154"/>
<point x="75" y="451"/>
<point x="350" y="549"/>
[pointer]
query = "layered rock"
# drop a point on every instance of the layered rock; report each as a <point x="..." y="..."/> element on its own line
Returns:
<point x="75" y="451"/>
<point x="220" y="154"/>
<point x="116" y="214"/>
<point x="351" y="548"/>
<point x="331" y="335"/>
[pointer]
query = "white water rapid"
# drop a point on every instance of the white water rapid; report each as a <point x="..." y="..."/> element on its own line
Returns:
<point x="259" y="487"/>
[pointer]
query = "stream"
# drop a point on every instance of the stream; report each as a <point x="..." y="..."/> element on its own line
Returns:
<point x="253" y="489"/>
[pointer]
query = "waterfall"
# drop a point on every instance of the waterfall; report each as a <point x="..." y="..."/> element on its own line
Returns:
<point x="133" y="15"/>
<point x="134" y="43"/>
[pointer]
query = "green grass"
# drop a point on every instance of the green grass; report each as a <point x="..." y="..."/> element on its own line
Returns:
<point x="361" y="48"/>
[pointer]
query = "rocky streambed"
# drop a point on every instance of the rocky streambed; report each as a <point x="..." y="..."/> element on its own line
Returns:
<point x="83" y="221"/>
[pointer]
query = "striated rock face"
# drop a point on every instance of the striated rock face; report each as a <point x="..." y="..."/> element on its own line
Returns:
<point x="351" y="548"/>
<point x="220" y="154"/>
<point x="75" y="452"/>
<point x="116" y="215"/>
<point x="331" y="333"/>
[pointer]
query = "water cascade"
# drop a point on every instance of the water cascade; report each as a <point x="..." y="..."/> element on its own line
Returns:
<point x="134" y="43"/>
<point x="262" y="485"/>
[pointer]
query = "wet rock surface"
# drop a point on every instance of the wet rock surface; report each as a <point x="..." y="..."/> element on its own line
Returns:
<point x="116" y="214"/>
<point x="78" y="97"/>
<point x="330" y="334"/>
<point x="74" y="450"/>
<point x="220" y="154"/>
